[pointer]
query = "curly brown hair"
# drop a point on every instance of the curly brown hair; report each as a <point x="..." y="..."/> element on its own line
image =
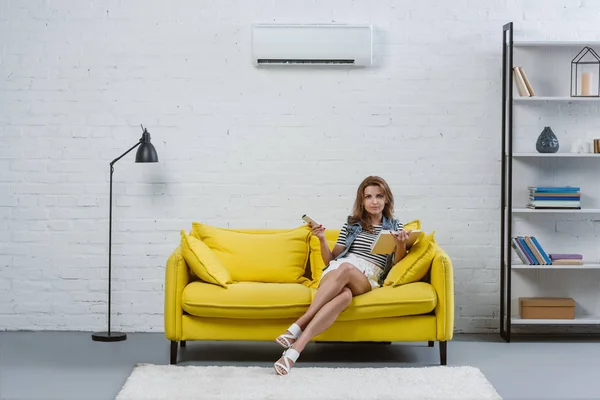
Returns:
<point x="359" y="213"/>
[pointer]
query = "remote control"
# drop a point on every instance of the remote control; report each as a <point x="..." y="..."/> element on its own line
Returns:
<point x="309" y="220"/>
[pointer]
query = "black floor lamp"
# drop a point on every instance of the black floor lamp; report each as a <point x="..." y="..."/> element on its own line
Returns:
<point x="145" y="154"/>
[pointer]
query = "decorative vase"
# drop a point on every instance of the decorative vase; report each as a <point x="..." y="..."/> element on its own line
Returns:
<point x="547" y="142"/>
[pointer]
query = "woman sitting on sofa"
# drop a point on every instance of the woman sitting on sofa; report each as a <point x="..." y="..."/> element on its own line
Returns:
<point x="351" y="268"/>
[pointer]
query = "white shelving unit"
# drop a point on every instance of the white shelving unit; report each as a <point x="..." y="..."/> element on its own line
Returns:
<point x="579" y="320"/>
<point x="547" y="65"/>
<point x="555" y="267"/>
<point x="554" y="43"/>
<point x="555" y="211"/>
<point x="554" y="155"/>
<point x="562" y="99"/>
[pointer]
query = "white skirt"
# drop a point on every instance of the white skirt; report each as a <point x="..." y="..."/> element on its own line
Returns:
<point x="370" y="270"/>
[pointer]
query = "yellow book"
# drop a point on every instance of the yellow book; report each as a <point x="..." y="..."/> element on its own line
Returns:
<point x="385" y="243"/>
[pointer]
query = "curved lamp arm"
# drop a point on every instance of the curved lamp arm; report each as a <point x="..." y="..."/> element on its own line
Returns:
<point x="124" y="154"/>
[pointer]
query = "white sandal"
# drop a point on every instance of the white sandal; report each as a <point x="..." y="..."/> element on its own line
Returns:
<point x="295" y="333"/>
<point x="289" y="354"/>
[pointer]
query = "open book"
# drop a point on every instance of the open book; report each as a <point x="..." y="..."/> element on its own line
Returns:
<point x="385" y="243"/>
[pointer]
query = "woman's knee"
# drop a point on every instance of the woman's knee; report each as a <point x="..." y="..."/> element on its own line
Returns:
<point x="345" y="270"/>
<point x="347" y="295"/>
<point x="346" y="292"/>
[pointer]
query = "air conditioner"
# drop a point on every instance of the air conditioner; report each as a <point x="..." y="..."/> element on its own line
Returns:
<point x="313" y="44"/>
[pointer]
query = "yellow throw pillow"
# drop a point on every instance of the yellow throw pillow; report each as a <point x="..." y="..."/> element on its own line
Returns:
<point x="276" y="256"/>
<point x="203" y="262"/>
<point x="412" y="225"/>
<point x="415" y="264"/>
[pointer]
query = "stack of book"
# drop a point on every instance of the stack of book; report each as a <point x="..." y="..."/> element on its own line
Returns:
<point x="566" y="259"/>
<point x="524" y="87"/>
<point x="530" y="251"/>
<point x="554" y="197"/>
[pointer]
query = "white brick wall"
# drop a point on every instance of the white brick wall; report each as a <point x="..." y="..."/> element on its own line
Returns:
<point x="241" y="146"/>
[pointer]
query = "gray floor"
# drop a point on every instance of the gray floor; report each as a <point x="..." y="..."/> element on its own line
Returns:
<point x="69" y="365"/>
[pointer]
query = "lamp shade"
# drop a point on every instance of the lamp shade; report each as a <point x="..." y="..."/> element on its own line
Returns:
<point x="146" y="151"/>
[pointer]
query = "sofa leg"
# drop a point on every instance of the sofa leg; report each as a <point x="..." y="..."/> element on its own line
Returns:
<point x="430" y="343"/>
<point x="443" y="353"/>
<point x="183" y="343"/>
<point x="173" y="352"/>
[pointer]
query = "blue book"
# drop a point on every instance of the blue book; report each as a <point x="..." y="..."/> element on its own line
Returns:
<point x="520" y="244"/>
<point x="554" y="198"/>
<point x="541" y="250"/>
<point x="555" y="189"/>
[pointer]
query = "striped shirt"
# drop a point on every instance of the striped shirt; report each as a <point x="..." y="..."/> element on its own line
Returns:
<point x="363" y="242"/>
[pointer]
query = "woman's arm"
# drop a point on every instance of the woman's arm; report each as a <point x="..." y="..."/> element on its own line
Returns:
<point x="400" y="251"/>
<point x="327" y="254"/>
<point x="401" y="239"/>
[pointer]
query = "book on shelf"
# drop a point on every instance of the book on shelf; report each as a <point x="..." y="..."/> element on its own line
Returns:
<point x="554" y="189"/>
<point x="524" y="87"/>
<point x="520" y="251"/>
<point x="567" y="262"/>
<point x="530" y="251"/>
<point x="566" y="259"/>
<point x="565" y="256"/>
<point x="554" y="197"/>
<point x="527" y="83"/>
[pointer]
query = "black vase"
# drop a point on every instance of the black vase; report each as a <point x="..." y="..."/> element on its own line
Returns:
<point x="547" y="142"/>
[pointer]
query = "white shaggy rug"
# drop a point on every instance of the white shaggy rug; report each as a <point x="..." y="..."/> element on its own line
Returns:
<point x="158" y="382"/>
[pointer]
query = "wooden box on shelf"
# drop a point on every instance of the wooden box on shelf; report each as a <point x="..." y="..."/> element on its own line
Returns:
<point x="546" y="308"/>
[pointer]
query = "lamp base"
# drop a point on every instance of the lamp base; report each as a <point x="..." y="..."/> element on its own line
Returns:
<point x="108" y="337"/>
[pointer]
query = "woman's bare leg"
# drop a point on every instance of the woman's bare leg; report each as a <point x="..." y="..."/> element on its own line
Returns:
<point x="325" y="317"/>
<point x="330" y="286"/>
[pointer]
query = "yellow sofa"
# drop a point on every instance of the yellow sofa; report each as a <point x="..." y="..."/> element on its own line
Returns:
<point x="257" y="296"/>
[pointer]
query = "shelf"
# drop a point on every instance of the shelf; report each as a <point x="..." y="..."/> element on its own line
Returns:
<point x="554" y="155"/>
<point x="559" y="211"/>
<point x="554" y="98"/>
<point x="554" y="43"/>
<point x="579" y="320"/>
<point x="578" y="267"/>
<point x="547" y="64"/>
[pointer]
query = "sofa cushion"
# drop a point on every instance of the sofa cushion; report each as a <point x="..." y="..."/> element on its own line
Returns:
<point x="253" y="300"/>
<point x="316" y="260"/>
<point x="203" y="262"/>
<point x="414" y="266"/>
<point x="388" y="301"/>
<point x="247" y="300"/>
<point x="276" y="256"/>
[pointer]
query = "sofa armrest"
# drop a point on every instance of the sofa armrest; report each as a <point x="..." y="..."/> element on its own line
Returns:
<point x="177" y="276"/>
<point x="442" y="280"/>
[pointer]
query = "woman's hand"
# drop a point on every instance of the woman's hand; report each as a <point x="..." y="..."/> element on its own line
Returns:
<point x="401" y="238"/>
<point x="318" y="231"/>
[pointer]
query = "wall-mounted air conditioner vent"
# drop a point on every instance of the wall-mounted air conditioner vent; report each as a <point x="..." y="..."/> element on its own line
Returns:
<point x="274" y="44"/>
